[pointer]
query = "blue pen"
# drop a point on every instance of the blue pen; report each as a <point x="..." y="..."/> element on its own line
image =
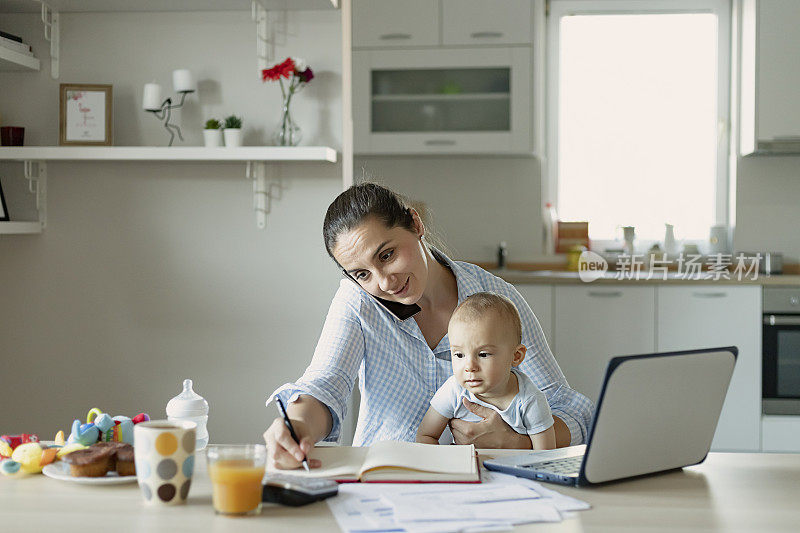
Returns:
<point x="291" y="429"/>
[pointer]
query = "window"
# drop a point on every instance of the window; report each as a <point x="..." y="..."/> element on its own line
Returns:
<point x="638" y="99"/>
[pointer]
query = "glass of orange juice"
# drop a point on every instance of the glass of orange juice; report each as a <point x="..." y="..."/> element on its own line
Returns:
<point x="236" y="471"/>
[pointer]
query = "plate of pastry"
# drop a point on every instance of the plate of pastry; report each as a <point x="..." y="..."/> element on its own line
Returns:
<point x="104" y="463"/>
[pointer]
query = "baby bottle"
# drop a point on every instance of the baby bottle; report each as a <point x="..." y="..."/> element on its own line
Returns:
<point x="190" y="406"/>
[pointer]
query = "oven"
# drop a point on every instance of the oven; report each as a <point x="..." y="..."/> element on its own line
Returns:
<point x="780" y="388"/>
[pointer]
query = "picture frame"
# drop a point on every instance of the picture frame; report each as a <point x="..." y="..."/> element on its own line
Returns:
<point x="85" y="115"/>
<point x="3" y="207"/>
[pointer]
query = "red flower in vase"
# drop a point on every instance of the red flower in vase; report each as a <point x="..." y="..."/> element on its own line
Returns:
<point x="281" y="70"/>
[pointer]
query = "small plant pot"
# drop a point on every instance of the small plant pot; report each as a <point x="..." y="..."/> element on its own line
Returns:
<point x="233" y="137"/>
<point x="212" y="138"/>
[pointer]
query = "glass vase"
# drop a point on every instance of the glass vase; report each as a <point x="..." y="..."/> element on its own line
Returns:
<point x="288" y="132"/>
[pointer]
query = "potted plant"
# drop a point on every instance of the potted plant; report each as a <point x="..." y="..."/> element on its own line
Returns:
<point x="232" y="131"/>
<point x="212" y="134"/>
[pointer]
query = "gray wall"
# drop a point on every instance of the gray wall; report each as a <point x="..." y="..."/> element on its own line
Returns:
<point x="152" y="272"/>
<point x="768" y="205"/>
<point x="474" y="202"/>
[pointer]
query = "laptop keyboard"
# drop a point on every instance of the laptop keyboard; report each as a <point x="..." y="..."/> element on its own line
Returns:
<point x="566" y="466"/>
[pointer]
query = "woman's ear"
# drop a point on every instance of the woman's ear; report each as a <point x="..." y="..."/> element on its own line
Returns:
<point x="519" y="355"/>
<point x="419" y="227"/>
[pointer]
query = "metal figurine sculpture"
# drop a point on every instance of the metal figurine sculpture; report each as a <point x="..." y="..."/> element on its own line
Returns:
<point x="165" y="113"/>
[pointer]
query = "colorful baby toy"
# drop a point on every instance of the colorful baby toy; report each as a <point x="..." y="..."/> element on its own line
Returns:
<point x="28" y="458"/>
<point x="8" y="443"/>
<point x="24" y="454"/>
<point x="13" y="462"/>
<point x="85" y="434"/>
<point x="100" y="426"/>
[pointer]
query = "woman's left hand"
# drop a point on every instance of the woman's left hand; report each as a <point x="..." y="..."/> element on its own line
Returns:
<point x="491" y="432"/>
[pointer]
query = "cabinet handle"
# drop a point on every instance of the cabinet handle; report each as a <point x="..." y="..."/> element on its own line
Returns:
<point x="785" y="138"/>
<point x="605" y="294"/>
<point x="395" y="36"/>
<point x="778" y="320"/>
<point x="709" y="294"/>
<point x="440" y="142"/>
<point x="486" y="34"/>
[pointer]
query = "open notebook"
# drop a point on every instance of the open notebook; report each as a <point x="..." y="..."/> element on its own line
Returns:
<point x="395" y="462"/>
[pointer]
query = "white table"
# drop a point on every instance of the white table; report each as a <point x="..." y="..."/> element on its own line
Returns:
<point x="729" y="492"/>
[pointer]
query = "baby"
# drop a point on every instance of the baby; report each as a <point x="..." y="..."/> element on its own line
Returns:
<point x="485" y="342"/>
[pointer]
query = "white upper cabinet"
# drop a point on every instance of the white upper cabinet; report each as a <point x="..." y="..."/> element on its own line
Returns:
<point x="393" y="23"/>
<point x="445" y="77"/>
<point x="436" y="101"/>
<point x="477" y="22"/>
<point x="710" y="316"/>
<point x="770" y="71"/>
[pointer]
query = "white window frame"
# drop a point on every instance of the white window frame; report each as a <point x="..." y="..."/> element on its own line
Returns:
<point x="722" y="8"/>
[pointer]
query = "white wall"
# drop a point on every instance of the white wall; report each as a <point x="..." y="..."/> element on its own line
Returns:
<point x="148" y="272"/>
<point x="475" y="202"/>
<point x="478" y="201"/>
<point x="768" y="205"/>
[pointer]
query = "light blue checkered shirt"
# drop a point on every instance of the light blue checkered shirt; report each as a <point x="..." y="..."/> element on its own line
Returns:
<point x="398" y="372"/>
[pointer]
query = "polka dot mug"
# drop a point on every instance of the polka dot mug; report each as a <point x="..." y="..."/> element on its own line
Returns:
<point x="164" y="455"/>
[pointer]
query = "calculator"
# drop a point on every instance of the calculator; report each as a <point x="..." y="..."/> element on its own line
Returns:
<point x="296" y="490"/>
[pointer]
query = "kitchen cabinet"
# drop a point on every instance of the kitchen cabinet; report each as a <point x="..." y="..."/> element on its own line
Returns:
<point x="477" y="22"/>
<point x="540" y="300"/>
<point x="770" y="110"/>
<point x="705" y="316"/>
<point x="393" y="24"/>
<point x="389" y="23"/>
<point x="446" y="77"/>
<point x="780" y="433"/>
<point x="592" y="324"/>
<point x="466" y="100"/>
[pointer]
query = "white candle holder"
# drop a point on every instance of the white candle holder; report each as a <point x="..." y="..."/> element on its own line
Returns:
<point x="184" y="85"/>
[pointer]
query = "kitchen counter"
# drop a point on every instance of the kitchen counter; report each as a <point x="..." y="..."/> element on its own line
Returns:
<point x="727" y="492"/>
<point x="553" y="277"/>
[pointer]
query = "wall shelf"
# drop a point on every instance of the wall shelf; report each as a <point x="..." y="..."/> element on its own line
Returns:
<point x="161" y="153"/>
<point x="83" y="6"/>
<point x="12" y="60"/>
<point x="256" y="158"/>
<point x="51" y="10"/>
<point x="20" y="228"/>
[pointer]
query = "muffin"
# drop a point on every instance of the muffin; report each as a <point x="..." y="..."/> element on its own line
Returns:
<point x="114" y="447"/>
<point x="125" y="464"/>
<point x="89" y="462"/>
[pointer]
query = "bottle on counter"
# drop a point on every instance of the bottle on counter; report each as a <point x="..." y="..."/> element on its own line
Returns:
<point x="670" y="244"/>
<point x="549" y="228"/>
<point x="502" y="255"/>
<point x="191" y="407"/>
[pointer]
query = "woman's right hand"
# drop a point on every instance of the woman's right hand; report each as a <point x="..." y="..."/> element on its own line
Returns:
<point x="282" y="450"/>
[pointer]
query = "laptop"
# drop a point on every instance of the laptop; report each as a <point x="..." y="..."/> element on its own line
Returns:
<point x="656" y="412"/>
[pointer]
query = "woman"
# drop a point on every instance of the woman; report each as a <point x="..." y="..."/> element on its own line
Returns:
<point x="387" y="325"/>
